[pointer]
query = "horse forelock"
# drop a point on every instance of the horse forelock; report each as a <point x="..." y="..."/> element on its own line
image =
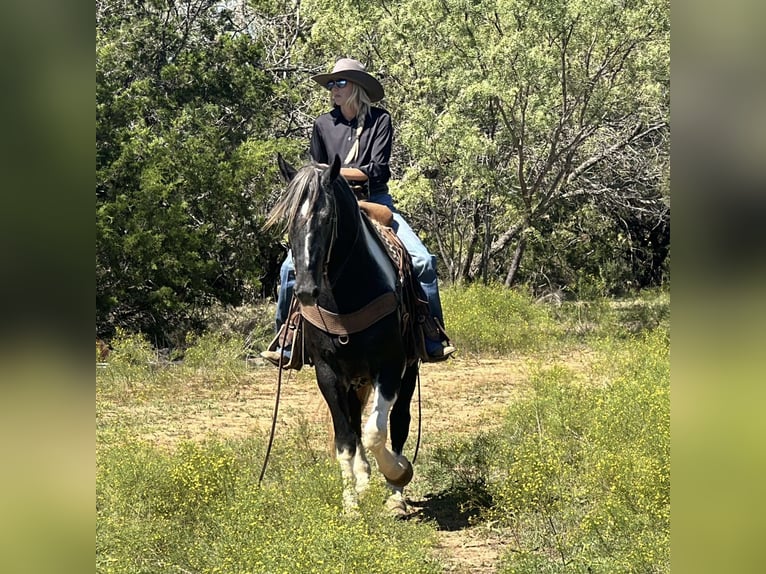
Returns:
<point x="303" y="189"/>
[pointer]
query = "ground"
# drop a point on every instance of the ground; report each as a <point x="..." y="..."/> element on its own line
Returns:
<point x="457" y="397"/>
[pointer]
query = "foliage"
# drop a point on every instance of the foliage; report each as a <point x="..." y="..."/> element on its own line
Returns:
<point x="137" y="369"/>
<point x="601" y="318"/>
<point x="515" y="121"/>
<point x="494" y="319"/>
<point x="579" y="475"/>
<point x="531" y="142"/>
<point x="575" y="476"/>
<point x="200" y="509"/>
<point x="184" y="165"/>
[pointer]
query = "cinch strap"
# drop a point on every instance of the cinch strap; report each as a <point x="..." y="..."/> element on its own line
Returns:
<point x="350" y="323"/>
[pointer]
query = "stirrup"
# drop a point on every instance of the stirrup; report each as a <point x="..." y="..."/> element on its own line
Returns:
<point x="442" y="353"/>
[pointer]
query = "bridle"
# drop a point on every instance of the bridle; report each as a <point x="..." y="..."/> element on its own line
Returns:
<point x="332" y="242"/>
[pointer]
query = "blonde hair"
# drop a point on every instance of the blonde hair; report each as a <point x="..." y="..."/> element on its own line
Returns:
<point x="360" y="101"/>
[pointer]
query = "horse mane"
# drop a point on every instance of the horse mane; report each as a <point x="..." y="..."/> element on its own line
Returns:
<point x="305" y="183"/>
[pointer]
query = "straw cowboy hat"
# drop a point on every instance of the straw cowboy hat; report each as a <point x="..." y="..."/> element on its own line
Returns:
<point x="353" y="70"/>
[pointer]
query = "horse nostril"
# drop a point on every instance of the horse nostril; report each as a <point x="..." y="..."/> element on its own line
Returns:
<point x="307" y="295"/>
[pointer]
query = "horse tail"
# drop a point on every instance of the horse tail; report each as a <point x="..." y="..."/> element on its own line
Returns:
<point x="363" y="393"/>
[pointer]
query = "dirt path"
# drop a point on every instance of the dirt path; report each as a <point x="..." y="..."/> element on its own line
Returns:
<point x="458" y="397"/>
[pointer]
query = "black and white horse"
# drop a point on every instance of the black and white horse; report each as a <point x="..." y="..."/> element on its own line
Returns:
<point x="340" y="270"/>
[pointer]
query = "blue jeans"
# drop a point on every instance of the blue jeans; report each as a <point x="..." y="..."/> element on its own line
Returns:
<point x="423" y="263"/>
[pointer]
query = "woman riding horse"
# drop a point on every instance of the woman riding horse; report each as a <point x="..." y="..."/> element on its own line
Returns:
<point x="362" y="134"/>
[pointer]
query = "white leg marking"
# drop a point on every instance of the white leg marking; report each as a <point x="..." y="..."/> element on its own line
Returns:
<point x="375" y="432"/>
<point x="361" y="470"/>
<point x="395" y="503"/>
<point x="347" y="472"/>
<point x="374" y="438"/>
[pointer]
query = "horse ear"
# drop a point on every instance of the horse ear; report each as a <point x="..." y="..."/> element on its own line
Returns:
<point x="288" y="172"/>
<point x="332" y="172"/>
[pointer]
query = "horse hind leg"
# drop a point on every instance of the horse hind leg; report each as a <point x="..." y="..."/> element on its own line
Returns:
<point x="345" y="458"/>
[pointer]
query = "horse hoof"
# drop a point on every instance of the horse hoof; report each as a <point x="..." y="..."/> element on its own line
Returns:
<point x="404" y="479"/>
<point x="396" y="505"/>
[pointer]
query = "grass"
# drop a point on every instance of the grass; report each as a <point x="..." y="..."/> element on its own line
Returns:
<point x="199" y="508"/>
<point x="575" y="476"/>
<point x="491" y="319"/>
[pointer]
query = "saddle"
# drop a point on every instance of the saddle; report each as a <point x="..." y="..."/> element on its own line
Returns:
<point x="416" y="319"/>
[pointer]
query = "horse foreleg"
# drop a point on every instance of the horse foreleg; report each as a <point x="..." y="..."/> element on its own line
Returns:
<point x="399" y="424"/>
<point x="356" y="401"/>
<point x="395" y="467"/>
<point x="347" y="445"/>
<point x="355" y="471"/>
<point x="345" y="459"/>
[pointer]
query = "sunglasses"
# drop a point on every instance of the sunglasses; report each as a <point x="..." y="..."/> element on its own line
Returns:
<point x="339" y="83"/>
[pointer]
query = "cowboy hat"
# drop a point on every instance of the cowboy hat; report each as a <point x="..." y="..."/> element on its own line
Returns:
<point x="353" y="70"/>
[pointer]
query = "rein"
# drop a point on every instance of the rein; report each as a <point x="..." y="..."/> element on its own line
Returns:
<point x="274" y="415"/>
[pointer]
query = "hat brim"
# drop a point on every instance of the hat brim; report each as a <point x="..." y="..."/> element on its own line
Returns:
<point x="369" y="84"/>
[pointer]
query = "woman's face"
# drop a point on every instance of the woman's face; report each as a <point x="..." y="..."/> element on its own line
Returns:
<point x="340" y="95"/>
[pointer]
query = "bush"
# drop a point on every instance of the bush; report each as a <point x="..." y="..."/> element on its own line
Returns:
<point x="587" y="485"/>
<point x="578" y="475"/>
<point x="495" y="319"/>
<point x="200" y="509"/>
<point x="599" y="318"/>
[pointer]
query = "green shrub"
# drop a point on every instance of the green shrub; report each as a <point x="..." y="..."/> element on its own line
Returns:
<point x="214" y="359"/>
<point x="132" y="366"/>
<point x="130" y="350"/>
<point x="462" y="468"/>
<point x="578" y="475"/>
<point x="587" y="487"/>
<point x="598" y="318"/>
<point x="495" y="319"/>
<point x="200" y="509"/>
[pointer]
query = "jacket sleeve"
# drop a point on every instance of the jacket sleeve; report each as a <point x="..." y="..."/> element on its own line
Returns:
<point x="317" y="149"/>
<point x="378" y="170"/>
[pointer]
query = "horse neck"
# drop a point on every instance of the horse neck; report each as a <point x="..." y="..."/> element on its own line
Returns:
<point x="355" y="275"/>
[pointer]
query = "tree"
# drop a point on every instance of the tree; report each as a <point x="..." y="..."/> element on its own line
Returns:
<point x="507" y="108"/>
<point x="184" y="166"/>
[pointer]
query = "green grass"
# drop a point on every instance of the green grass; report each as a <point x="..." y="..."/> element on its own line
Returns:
<point x="496" y="320"/>
<point x="199" y="509"/>
<point x="575" y="477"/>
<point x="578" y="476"/>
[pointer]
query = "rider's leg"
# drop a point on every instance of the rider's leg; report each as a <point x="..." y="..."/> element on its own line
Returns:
<point x="285" y="292"/>
<point x="424" y="266"/>
<point x="284" y="297"/>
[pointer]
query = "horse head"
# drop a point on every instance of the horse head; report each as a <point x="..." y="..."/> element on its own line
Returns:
<point x="311" y="224"/>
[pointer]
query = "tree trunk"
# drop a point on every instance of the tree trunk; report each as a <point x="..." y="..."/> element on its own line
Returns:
<point x="516" y="262"/>
<point x="466" y="273"/>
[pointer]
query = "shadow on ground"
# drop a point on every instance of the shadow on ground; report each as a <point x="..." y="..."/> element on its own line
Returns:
<point x="450" y="509"/>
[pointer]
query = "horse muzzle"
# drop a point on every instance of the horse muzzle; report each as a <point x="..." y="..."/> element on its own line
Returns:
<point x="307" y="293"/>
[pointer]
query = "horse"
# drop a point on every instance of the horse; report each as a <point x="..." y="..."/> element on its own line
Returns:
<point x="340" y="269"/>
